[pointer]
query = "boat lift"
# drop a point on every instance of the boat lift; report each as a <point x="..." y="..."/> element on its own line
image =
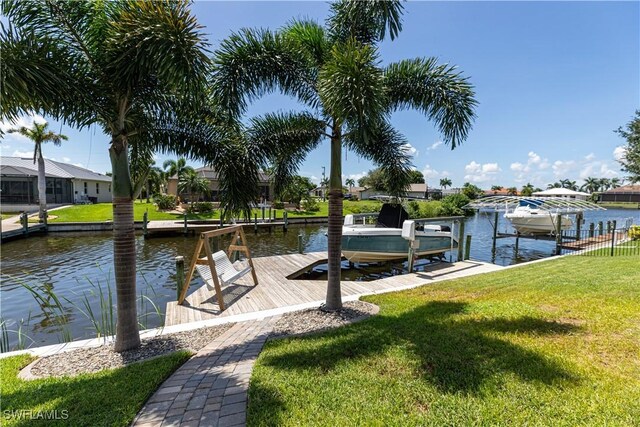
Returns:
<point x="558" y="206"/>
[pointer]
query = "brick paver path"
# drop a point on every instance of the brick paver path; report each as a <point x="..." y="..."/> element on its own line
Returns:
<point x="211" y="388"/>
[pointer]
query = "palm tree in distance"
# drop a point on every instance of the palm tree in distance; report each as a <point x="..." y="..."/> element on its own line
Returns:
<point x="445" y="182"/>
<point x="350" y="182"/>
<point x="193" y="184"/>
<point x="335" y="72"/>
<point x="591" y="184"/>
<point x="496" y="188"/>
<point x="527" y="189"/>
<point x="40" y="134"/>
<point x="176" y="168"/>
<point x="512" y="191"/>
<point x="136" y="69"/>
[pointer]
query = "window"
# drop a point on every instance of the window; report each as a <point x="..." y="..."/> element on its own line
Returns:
<point x="109" y="188"/>
<point x="86" y="187"/>
<point x="97" y="188"/>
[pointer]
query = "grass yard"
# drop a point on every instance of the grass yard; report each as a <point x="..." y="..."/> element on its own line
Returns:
<point x="110" y="397"/>
<point x="6" y="215"/>
<point x="555" y="343"/>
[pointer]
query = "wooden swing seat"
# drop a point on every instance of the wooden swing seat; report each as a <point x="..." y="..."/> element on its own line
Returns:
<point x="227" y="272"/>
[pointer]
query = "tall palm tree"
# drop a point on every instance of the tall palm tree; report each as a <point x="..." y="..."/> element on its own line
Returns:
<point x="193" y="184"/>
<point x="591" y="184"/>
<point x="554" y="185"/>
<point x="527" y="189"/>
<point x="176" y="168"/>
<point x="350" y="182"/>
<point x="568" y="184"/>
<point x="445" y="182"/>
<point x="334" y="71"/>
<point x="136" y="69"/>
<point x="615" y="182"/>
<point x="40" y="134"/>
<point x="496" y="188"/>
<point x="512" y="191"/>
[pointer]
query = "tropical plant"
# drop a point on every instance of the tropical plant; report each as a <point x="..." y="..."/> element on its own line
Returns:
<point x="193" y="184"/>
<point x="631" y="160"/>
<point x="512" y="191"/>
<point x="453" y="203"/>
<point x="165" y="202"/>
<point x="591" y="185"/>
<point x="568" y="184"/>
<point x="472" y="191"/>
<point x="335" y="72"/>
<point x="416" y="177"/>
<point x="554" y="185"/>
<point x="137" y="69"/>
<point x="445" y="182"/>
<point x="297" y="189"/>
<point x="40" y="134"/>
<point x="496" y="188"/>
<point x="177" y="168"/>
<point x="527" y="190"/>
<point x="350" y="182"/>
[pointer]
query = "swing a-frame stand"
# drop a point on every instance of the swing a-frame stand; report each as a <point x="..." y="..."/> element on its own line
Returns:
<point x="216" y="268"/>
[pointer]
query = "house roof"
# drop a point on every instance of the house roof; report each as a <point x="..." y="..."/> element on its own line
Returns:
<point x="501" y="192"/>
<point x="21" y="166"/>
<point x="626" y="189"/>
<point x="559" y="192"/>
<point x="418" y="188"/>
<point x="211" y="174"/>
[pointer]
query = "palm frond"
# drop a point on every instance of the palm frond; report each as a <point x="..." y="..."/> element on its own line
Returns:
<point x="366" y="21"/>
<point x="284" y="140"/>
<point x="436" y="90"/>
<point x="251" y="63"/>
<point x="311" y="39"/>
<point x="387" y="148"/>
<point x="351" y="85"/>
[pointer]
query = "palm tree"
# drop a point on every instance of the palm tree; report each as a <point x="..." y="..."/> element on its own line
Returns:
<point x="568" y="184"/>
<point x="176" y="168"/>
<point x="554" y="185"/>
<point x="193" y="184"/>
<point x="527" y="190"/>
<point x="615" y="182"/>
<point x="335" y="72"/>
<point x="40" y="134"/>
<point x="155" y="181"/>
<point x="591" y="184"/>
<point x="512" y="191"/>
<point x="350" y="182"/>
<point x="496" y="188"/>
<point x="445" y="182"/>
<point x="136" y="69"/>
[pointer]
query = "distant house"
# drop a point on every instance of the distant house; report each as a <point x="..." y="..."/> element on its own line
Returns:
<point x="627" y="193"/>
<point x="562" y="192"/>
<point x="501" y="192"/>
<point x="65" y="183"/>
<point x="265" y="185"/>
<point x="415" y="191"/>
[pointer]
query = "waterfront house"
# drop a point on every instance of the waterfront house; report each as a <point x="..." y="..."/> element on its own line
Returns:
<point x="626" y="193"/>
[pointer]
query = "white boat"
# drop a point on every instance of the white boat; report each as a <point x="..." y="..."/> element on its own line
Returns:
<point x="383" y="241"/>
<point x="529" y="219"/>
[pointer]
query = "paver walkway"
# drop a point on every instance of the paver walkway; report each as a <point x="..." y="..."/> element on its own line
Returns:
<point x="211" y="388"/>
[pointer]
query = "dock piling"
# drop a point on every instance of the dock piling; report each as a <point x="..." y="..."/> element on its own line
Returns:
<point x="255" y="223"/>
<point x="285" y="221"/>
<point x="495" y="233"/>
<point x="592" y="229"/>
<point x="300" y="243"/>
<point x="460" y="239"/>
<point x="145" y="219"/>
<point x="558" y="234"/>
<point x="179" y="275"/>
<point x="467" y="247"/>
<point x="186" y="229"/>
<point x="600" y="228"/>
<point x="24" y="219"/>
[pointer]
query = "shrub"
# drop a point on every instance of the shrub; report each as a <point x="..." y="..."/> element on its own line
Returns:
<point x="278" y="205"/>
<point x="453" y="203"/>
<point x="310" y="205"/>
<point x="165" y="201"/>
<point x="413" y="209"/>
<point x="634" y="232"/>
<point x="362" y="207"/>
<point x="202" y="207"/>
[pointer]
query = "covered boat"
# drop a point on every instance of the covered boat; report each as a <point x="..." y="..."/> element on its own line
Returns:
<point x="530" y="218"/>
<point x="383" y="240"/>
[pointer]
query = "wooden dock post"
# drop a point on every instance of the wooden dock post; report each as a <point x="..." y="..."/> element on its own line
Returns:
<point x="613" y="242"/>
<point x="592" y="229"/>
<point x="24" y="219"/>
<point x="600" y="228"/>
<point x="467" y="247"/>
<point x="179" y="275"/>
<point x="285" y="221"/>
<point x="460" y="239"/>
<point x="558" y="234"/>
<point x="495" y="233"/>
<point x="269" y="213"/>
<point x="300" y="243"/>
<point x="578" y="225"/>
<point x="186" y="230"/>
<point x="263" y="213"/>
<point x="255" y="223"/>
<point x="145" y="217"/>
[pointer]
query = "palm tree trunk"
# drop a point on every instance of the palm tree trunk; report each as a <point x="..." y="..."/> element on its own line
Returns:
<point x="42" y="185"/>
<point x="334" y="297"/>
<point x="124" y="248"/>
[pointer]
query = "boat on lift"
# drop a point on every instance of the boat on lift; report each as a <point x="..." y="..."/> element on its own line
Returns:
<point x="383" y="240"/>
<point x="530" y="218"/>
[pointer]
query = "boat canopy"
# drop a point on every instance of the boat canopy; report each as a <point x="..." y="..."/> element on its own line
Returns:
<point x="392" y="216"/>
<point x="552" y="204"/>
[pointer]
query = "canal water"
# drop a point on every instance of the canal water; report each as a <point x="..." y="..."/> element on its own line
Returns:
<point x="69" y="271"/>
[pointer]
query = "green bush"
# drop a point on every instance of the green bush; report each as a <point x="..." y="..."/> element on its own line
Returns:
<point x="165" y="201"/>
<point x="362" y="207"/>
<point x="310" y="205"/>
<point x="453" y="203"/>
<point x="201" y="207"/>
<point x="278" y="205"/>
<point x="634" y="232"/>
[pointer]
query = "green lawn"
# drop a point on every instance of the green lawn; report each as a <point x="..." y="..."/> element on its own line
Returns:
<point x="619" y="205"/>
<point x="110" y="397"/>
<point x="6" y="215"/>
<point x="555" y="343"/>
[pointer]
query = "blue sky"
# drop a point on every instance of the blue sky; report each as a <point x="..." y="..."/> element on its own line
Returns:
<point x="553" y="80"/>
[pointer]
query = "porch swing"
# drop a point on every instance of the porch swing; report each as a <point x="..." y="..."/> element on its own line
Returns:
<point x="216" y="268"/>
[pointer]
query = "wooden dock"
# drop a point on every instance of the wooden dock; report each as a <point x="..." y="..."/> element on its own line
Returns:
<point x="275" y="290"/>
<point x="16" y="233"/>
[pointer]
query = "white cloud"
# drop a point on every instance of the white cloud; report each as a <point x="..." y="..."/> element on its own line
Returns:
<point x="435" y="145"/>
<point x="80" y="165"/>
<point x="410" y="149"/>
<point x="19" y="153"/>
<point x="562" y="168"/>
<point x="430" y="173"/>
<point x="590" y="157"/>
<point x="478" y="173"/>
<point x="619" y="153"/>
<point x="534" y="159"/>
<point x="517" y="167"/>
